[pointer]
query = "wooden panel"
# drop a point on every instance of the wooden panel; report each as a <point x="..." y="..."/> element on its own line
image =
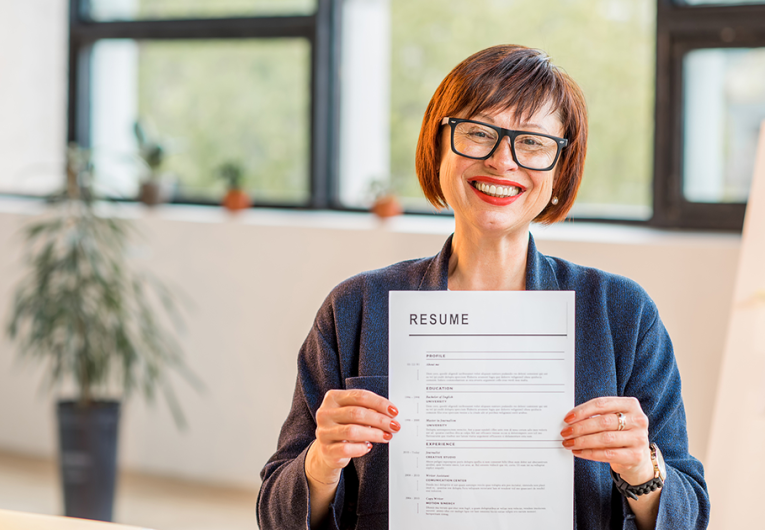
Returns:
<point x="735" y="465"/>
<point x="28" y="521"/>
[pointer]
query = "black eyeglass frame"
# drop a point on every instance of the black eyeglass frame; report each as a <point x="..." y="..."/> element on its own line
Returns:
<point x="453" y="122"/>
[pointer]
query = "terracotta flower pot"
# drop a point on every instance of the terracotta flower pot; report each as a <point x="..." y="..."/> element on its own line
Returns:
<point x="387" y="206"/>
<point x="236" y="200"/>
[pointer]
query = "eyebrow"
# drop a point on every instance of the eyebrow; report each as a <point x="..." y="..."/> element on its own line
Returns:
<point x="521" y="124"/>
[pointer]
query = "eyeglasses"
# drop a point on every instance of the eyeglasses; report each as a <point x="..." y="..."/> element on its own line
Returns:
<point x="473" y="139"/>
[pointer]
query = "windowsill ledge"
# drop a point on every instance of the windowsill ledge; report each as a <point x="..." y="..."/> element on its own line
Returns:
<point x="569" y="231"/>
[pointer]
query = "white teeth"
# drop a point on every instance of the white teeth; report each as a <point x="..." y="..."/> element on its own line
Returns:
<point x="497" y="191"/>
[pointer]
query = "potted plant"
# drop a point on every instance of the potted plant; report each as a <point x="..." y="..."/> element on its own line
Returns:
<point x="152" y="154"/>
<point x="386" y="203"/>
<point x="236" y="198"/>
<point x="82" y="311"/>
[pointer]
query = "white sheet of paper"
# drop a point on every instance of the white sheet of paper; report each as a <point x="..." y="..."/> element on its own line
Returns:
<point x="482" y="381"/>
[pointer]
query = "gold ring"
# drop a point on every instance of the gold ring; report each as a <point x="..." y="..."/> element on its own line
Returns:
<point x="622" y="422"/>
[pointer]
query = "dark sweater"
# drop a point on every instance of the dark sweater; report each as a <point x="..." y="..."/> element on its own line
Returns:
<point x="622" y="349"/>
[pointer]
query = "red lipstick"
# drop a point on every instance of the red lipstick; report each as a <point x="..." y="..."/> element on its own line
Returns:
<point x="496" y="201"/>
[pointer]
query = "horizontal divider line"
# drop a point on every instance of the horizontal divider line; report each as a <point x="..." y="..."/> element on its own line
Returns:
<point x="426" y="360"/>
<point x="485" y="351"/>
<point x="488" y="334"/>
<point x="543" y="447"/>
<point x="495" y="391"/>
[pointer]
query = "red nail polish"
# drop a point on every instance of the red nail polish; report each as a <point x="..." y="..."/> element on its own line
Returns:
<point x="568" y="431"/>
<point x="369" y="446"/>
<point x="568" y="443"/>
<point x="570" y="418"/>
<point x="393" y="410"/>
<point x="387" y="435"/>
<point x="395" y="426"/>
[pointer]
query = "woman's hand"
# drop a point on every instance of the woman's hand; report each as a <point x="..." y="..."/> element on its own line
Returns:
<point x="594" y="433"/>
<point x="347" y="423"/>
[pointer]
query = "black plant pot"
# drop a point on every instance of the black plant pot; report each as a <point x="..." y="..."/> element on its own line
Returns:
<point x="88" y="457"/>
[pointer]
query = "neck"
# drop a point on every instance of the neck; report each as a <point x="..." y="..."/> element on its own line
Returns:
<point x="481" y="262"/>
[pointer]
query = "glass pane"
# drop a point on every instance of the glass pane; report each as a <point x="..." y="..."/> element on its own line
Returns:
<point x="207" y="103"/>
<point x="427" y="38"/>
<point x="105" y="10"/>
<point x="724" y="104"/>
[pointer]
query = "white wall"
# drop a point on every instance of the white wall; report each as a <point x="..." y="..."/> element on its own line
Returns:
<point x="33" y="49"/>
<point x="257" y="281"/>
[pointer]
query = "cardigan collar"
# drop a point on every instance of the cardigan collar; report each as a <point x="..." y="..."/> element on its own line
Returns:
<point x="540" y="275"/>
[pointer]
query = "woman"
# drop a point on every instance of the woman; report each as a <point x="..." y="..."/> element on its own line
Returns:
<point x="330" y="468"/>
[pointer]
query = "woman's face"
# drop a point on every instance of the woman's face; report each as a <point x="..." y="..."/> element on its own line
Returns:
<point x="529" y="191"/>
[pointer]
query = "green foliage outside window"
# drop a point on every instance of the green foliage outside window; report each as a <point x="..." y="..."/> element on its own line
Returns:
<point x="607" y="46"/>
<point x="218" y="101"/>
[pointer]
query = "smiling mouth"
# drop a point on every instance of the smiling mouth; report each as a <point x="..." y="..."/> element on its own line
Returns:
<point x="494" y="190"/>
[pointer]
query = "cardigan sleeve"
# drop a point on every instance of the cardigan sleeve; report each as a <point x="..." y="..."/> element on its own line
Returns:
<point x="655" y="381"/>
<point x="284" y="500"/>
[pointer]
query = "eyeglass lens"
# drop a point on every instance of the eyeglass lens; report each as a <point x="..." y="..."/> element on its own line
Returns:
<point x="531" y="150"/>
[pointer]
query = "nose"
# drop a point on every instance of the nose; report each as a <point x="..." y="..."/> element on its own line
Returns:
<point x="502" y="159"/>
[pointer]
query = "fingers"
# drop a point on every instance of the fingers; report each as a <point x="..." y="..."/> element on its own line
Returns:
<point x="363" y="416"/>
<point x="362" y="398"/>
<point x="606" y="423"/>
<point x="351" y="433"/>
<point x="354" y="408"/>
<point x="609" y="440"/>
<point x="602" y="406"/>
<point x="338" y="454"/>
<point x="349" y="421"/>
<point x="609" y="429"/>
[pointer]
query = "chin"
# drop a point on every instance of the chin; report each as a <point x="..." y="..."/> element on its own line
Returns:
<point x="492" y="225"/>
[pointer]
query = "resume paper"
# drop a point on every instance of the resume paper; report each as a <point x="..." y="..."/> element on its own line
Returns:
<point x="482" y="381"/>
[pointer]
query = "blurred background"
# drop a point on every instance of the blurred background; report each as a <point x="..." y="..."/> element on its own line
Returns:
<point x="318" y="103"/>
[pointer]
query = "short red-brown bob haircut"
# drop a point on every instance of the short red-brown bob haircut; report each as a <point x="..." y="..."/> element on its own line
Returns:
<point x="497" y="79"/>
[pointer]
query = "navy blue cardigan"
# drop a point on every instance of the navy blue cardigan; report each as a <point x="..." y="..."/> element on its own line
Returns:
<point x="622" y="349"/>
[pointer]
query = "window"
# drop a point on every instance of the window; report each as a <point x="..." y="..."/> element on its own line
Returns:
<point x="320" y="101"/>
<point x="606" y="45"/>
<point x="710" y="103"/>
<point x="213" y="83"/>
<point x="208" y="103"/>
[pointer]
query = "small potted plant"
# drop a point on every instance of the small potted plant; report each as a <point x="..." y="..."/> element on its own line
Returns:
<point x="386" y="203"/>
<point x="93" y="321"/>
<point x="236" y="198"/>
<point x="152" y="154"/>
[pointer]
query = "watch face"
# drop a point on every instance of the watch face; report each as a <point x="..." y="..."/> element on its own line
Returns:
<point x="658" y="459"/>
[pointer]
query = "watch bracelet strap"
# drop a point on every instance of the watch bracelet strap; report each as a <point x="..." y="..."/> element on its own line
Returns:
<point x="631" y="491"/>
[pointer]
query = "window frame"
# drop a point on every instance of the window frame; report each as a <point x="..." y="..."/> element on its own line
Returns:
<point x="680" y="29"/>
<point x="320" y="29"/>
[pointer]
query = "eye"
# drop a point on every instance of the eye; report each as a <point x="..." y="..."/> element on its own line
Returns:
<point x="529" y="141"/>
<point x="478" y="133"/>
